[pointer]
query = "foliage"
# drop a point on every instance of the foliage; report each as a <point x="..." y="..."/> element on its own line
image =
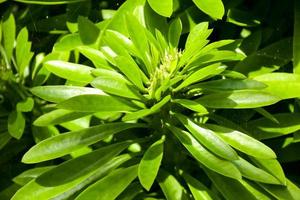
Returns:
<point x="149" y="100"/>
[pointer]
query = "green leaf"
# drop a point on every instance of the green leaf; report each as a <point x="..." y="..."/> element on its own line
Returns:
<point x="150" y="163"/>
<point x="283" y="85"/>
<point x="4" y="139"/>
<point x="267" y="59"/>
<point x="48" y="2"/>
<point x="70" y="71"/>
<point x="175" y="32"/>
<point x="192" y="105"/>
<point x="208" y="138"/>
<point x="201" y="74"/>
<point x="68" y="42"/>
<point x="264" y="128"/>
<point x="243" y="142"/>
<point x="8" y="34"/>
<point x="97" y="103"/>
<point x="164" y="8"/>
<point x="242" y="18"/>
<point x="66" y="143"/>
<point x="88" y="31"/>
<point x="204" y="156"/>
<point x="199" y="191"/>
<point x="26" y="105"/>
<point x="34" y="190"/>
<point x="58" y="93"/>
<point x="170" y="186"/>
<point x="296" y="40"/>
<point x="266" y="114"/>
<point x="213" y="8"/>
<point x="110" y="186"/>
<point x="16" y="124"/>
<point x="253" y="173"/>
<point x="58" y="116"/>
<point x="114" y="83"/>
<point x="238" y="99"/>
<point x="95" y="56"/>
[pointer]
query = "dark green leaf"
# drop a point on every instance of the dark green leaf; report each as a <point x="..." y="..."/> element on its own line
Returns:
<point x="16" y="124"/>
<point x="88" y="31"/>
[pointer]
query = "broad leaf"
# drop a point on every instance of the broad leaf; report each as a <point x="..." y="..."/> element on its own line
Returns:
<point x="88" y="31"/>
<point x="164" y="8"/>
<point x="213" y="8"/>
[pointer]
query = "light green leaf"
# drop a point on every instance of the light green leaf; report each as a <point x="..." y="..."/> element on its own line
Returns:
<point x="164" y="8"/>
<point x="283" y="85"/>
<point x="192" y="105"/>
<point x="95" y="56"/>
<point x="253" y="173"/>
<point x="97" y="103"/>
<point x="264" y="128"/>
<point x="150" y="163"/>
<point x="70" y="71"/>
<point x="238" y="99"/>
<point x="58" y="93"/>
<point x="175" y="32"/>
<point x="26" y="105"/>
<point x="296" y="40"/>
<point x="64" y="144"/>
<point x="137" y="115"/>
<point x="58" y="116"/>
<point x="8" y="34"/>
<point x="110" y="186"/>
<point x="213" y="8"/>
<point x="170" y="186"/>
<point x="201" y="74"/>
<point x="204" y="156"/>
<point x="68" y="42"/>
<point x="88" y="31"/>
<point x="243" y="142"/>
<point x="16" y="124"/>
<point x="208" y="139"/>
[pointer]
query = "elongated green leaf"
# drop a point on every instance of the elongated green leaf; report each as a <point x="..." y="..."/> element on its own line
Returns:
<point x="229" y="188"/>
<point x="213" y="8"/>
<point x="164" y="8"/>
<point x="70" y="71"/>
<point x="170" y="186"/>
<point x="251" y="172"/>
<point x="272" y="166"/>
<point x="80" y="166"/>
<point x="95" y="56"/>
<point x="68" y="42"/>
<point x="296" y="40"/>
<point x="201" y="74"/>
<point x="238" y="99"/>
<point x="283" y="85"/>
<point x="111" y="186"/>
<point x="150" y="163"/>
<point x="264" y="128"/>
<point x="205" y="157"/>
<point x="61" y="145"/>
<point x="58" y="93"/>
<point x="58" y="116"/>
<point x="97" y="103"/>
<point x="267" y="59"/>
<point x="243" y="142"/>
<point x="9" y="34"/>
<point x="88" y="31"/>
<point x="192" y="105"/>
<point x="266" y="114"/>
<point x="48" y="2"/>
<point x="26" y="105"/>
<point x="4" y="139"/>
<point x="16" y="124"/>
<point x="208" y="139"/>
<point x="175" y="32"/>
<point x="116" y="85"/>
<point x="256" y="190"/>
<point x="199" y="191"/>
<point x="34" y="190"/>
<point x="137" y="115"/>
<point x="31" y="174"/>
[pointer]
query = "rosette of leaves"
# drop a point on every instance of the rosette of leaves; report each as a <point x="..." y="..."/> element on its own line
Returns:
<point x="149" y="109"/>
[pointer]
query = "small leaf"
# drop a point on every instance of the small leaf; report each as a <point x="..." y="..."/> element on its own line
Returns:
<point x="213" y="8"/>
<point x="70" y="71"/>
<point x="110" y="186"/>
<point x="150" y="163"/>
<point x="192" y="105"/>
<point x="97" y="103"/>
<point x="88" y="31"/>
<point x="58" y="93"/>
<point x="16" y="124"/>
<point x="164" y="8"/>
<point x="26" y="105"/>
<point x="204" y="156"/>
<point x="238" y="99"/>
<point x="64" y="144"/>
<point x="175" y="32"/>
